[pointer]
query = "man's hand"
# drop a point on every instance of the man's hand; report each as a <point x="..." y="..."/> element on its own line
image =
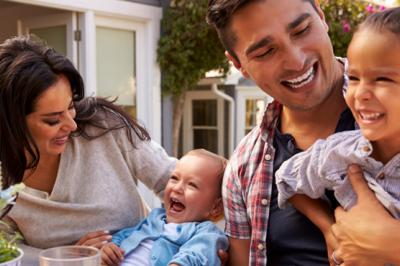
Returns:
<point x="111" y="254"/>
<point x="367" y="234"/>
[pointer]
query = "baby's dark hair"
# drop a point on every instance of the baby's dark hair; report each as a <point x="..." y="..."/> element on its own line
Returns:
<point x="388" y="20"/>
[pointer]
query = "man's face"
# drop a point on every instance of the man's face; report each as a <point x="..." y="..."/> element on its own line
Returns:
<point x="284" y="47"/>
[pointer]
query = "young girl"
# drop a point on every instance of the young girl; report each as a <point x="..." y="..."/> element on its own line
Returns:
<point x="373" y="97"/>
<point x="182" y="233"/>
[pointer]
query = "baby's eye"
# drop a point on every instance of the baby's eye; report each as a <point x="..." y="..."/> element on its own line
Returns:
<point x="174" y="177"/>
<point x="193" y="185"/>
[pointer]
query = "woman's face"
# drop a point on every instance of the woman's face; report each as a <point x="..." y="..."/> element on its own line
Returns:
<point x="52" y="120"/>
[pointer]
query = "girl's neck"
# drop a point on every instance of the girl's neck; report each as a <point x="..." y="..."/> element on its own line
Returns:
<point x="385" y="150"/>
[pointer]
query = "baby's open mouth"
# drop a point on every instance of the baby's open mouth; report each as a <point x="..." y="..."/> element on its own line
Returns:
<point x="176" y="205"/>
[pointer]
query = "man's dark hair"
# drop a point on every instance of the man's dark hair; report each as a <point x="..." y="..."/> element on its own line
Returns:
<point x="388" y="19"/>
<point x="219" y="15"/>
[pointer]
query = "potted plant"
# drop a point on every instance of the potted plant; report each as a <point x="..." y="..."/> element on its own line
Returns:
<point x="10" y="254"/>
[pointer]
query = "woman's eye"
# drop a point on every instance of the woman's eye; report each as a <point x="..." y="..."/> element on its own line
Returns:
<point x="52" y="122"/>
<point x="175" y="178"/>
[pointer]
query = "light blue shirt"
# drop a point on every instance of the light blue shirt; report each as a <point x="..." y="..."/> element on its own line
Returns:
<point x="196" y="243"/>
<point x="324" y="166"/>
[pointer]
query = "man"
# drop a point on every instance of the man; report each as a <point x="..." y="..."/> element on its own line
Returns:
<point x="284" y="47"/>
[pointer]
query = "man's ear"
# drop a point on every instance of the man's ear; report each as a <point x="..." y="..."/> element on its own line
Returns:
<point x="321" y="14"/>
<point x="236" y="64"/>
<point x="217" y="212"/>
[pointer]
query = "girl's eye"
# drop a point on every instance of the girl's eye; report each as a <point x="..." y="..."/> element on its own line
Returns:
<point x="385" y="79"/>
<point x="353" y="78"/>
<point x="52" y="122"/>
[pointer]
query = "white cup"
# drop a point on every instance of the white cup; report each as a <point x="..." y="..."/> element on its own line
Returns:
<point x="70" y="256"/>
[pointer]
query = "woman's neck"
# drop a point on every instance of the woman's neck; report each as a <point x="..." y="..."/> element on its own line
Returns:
<point x="44" y="175"/>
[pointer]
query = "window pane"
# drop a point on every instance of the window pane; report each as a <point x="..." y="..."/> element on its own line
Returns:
<point x="206" y="139"/>
<point x="55" y="37"/>
<point x="254" y="112"/>
<point x="116" y="66"/>
<point x="204" y="112"/>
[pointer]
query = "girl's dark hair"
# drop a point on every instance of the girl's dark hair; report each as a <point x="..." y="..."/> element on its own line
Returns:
<point x="28" y="67"/>
<point x="389" y="20"/>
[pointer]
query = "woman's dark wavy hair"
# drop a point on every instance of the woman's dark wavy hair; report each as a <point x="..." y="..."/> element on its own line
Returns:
<point x="28" y="67"/>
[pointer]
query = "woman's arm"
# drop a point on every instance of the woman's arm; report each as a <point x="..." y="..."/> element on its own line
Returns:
<point x="367" y="234"/>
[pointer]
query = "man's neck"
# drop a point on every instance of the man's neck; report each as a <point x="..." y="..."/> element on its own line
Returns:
<point x="318" y="123"/>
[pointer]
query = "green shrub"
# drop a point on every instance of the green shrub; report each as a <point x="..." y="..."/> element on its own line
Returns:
<point x="342" y="17"/>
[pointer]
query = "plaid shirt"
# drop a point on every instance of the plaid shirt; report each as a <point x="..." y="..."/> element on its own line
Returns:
<point x="247" y="184"/>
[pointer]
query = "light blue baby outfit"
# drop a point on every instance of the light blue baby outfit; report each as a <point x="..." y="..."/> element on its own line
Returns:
<point x="196" y="243"/>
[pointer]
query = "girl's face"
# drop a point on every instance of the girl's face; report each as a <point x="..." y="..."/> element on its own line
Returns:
<point x="52" y="119"/>
<point x="374" y="88"/>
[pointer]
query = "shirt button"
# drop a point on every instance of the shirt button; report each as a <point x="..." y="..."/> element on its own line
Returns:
<point x="381" y="176"/>
<point x="264" y="202"/>
<point x="268" y="157"/>
<point x="260" y="246"/>
<point x="366" y="149"/>
<point x="153" y="257"/>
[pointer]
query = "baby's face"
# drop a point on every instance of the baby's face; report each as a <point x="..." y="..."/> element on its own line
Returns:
<point x="374" y="87"/>
<point x="193" y="190"/>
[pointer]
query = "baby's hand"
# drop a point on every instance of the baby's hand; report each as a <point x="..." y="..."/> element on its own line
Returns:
<point x="111" y="254"/>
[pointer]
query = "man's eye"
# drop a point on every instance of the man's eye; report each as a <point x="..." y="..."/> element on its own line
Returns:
<point x="302" y="31"/>
<point x="266" y="53"/>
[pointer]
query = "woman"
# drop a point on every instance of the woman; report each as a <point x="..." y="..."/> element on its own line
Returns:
<point x="80" y="158"/>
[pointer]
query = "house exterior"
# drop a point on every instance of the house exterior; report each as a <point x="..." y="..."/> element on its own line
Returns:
<point x="113" y="44"/>
<point x="220" y="112"/>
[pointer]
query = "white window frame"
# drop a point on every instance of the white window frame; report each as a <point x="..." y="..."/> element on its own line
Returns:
<point x="188" y="118"/>
<point x="148" y="73"/>
<point x="244" y="93"/>
<point x="67" y="19"/>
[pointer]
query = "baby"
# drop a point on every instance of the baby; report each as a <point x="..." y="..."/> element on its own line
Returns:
<point x="182" y="233"/>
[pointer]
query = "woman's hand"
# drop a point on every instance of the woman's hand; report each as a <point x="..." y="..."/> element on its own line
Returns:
<point x="95" y="239"/>
<point x="367" y="234"/>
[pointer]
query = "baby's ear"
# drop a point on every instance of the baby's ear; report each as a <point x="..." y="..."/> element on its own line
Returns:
<point x="217" y="212"/>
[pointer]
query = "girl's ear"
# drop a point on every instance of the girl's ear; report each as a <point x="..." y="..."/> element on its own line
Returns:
<point x="217" y="212"/>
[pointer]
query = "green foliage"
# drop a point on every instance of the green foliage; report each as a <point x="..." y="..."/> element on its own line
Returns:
<point x="188" y="47"/>
<point x="342" y="17"/>
<point x="8" y="239"/>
